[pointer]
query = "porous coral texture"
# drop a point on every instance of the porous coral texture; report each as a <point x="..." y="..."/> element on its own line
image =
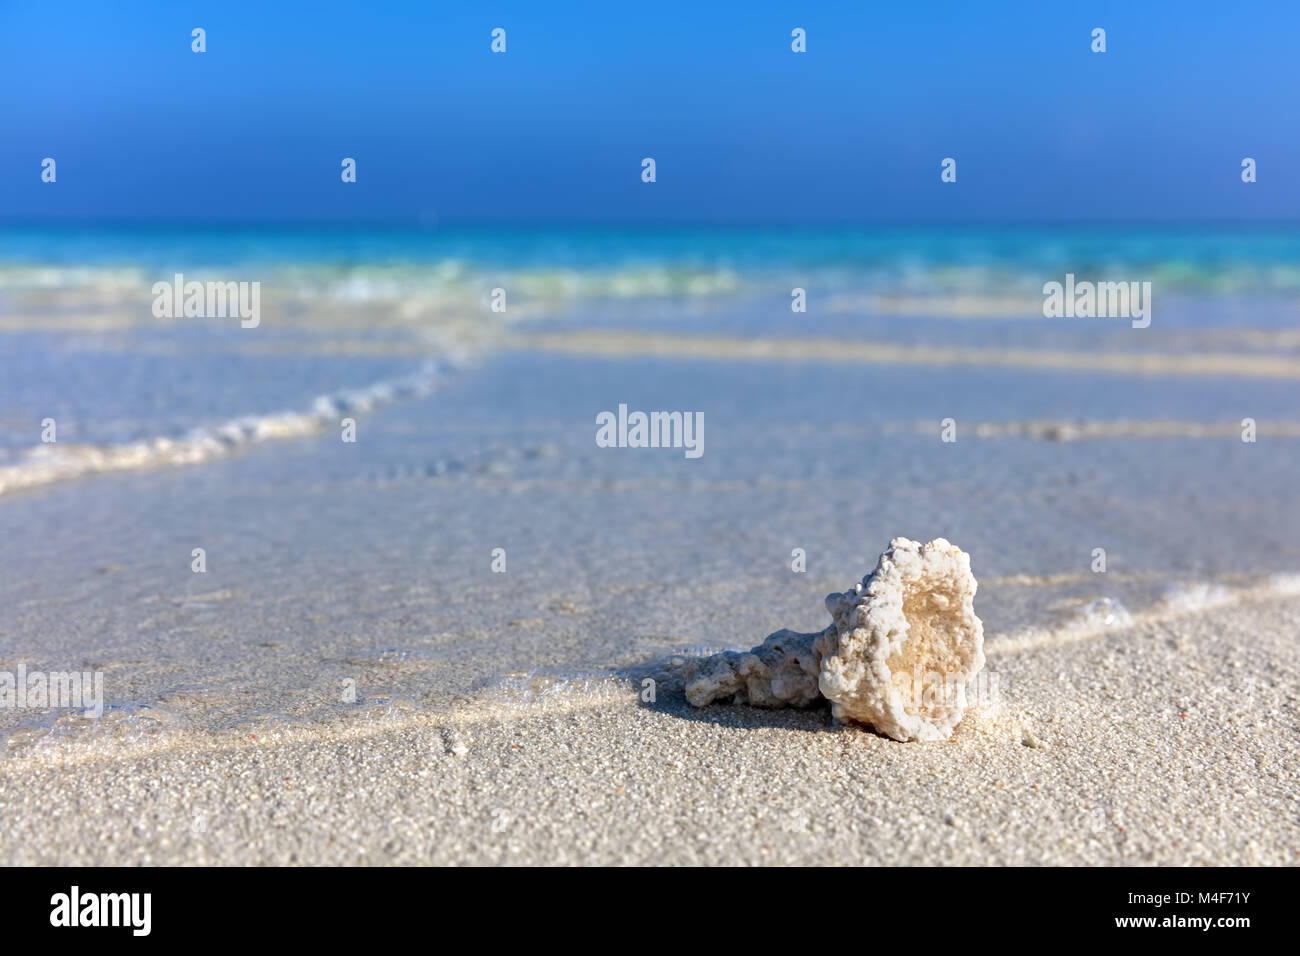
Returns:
<point x="907" y="641"/>
<point x="897" y="656"/>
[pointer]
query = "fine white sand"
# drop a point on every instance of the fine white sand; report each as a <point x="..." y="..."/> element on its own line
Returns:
<point x="1173" y="741"/>
<point x="1147" y="714"/>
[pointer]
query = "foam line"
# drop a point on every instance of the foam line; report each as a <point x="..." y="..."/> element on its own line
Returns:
<point x="46" y="464"/>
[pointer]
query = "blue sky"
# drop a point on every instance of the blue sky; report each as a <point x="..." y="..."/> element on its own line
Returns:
<point x="741" y="128"/>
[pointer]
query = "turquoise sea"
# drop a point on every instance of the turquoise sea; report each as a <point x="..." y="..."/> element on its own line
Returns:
<point x="75" y="302"/>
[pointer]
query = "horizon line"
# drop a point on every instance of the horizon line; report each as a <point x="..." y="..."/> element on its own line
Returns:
<point x="435" y="224"/>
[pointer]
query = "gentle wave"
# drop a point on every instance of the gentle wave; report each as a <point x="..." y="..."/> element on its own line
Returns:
<point x="864" y="352"/>
<point x="1106" y="615"/>
<point x="902" y="286"/>
<point x="46" y="464"/>
<point x="392" y="282"/>
<point x="140" y="728"/>
<point x="1063" y="431"/>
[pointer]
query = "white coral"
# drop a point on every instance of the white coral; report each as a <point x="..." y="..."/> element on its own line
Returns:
<point x="902" y="647"/>
<point x="780" y="672"/>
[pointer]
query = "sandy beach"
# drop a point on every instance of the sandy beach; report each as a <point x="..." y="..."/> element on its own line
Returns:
<point x="350" y="681"/>
<point x="1148" y="753"/>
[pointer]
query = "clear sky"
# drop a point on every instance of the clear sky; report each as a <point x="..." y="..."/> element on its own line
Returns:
<point x="741" y="128"/>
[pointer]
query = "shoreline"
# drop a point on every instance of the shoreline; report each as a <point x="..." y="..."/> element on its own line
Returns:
<point x="506" y="700"/>
<point x="1042" y="778"/>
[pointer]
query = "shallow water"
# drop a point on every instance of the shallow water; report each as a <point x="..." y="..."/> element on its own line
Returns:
<point x="354" y="581"/>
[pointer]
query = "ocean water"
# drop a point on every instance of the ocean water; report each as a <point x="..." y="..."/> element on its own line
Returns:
<point x="331" y="562"/>
<point x="350" y="306"/>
